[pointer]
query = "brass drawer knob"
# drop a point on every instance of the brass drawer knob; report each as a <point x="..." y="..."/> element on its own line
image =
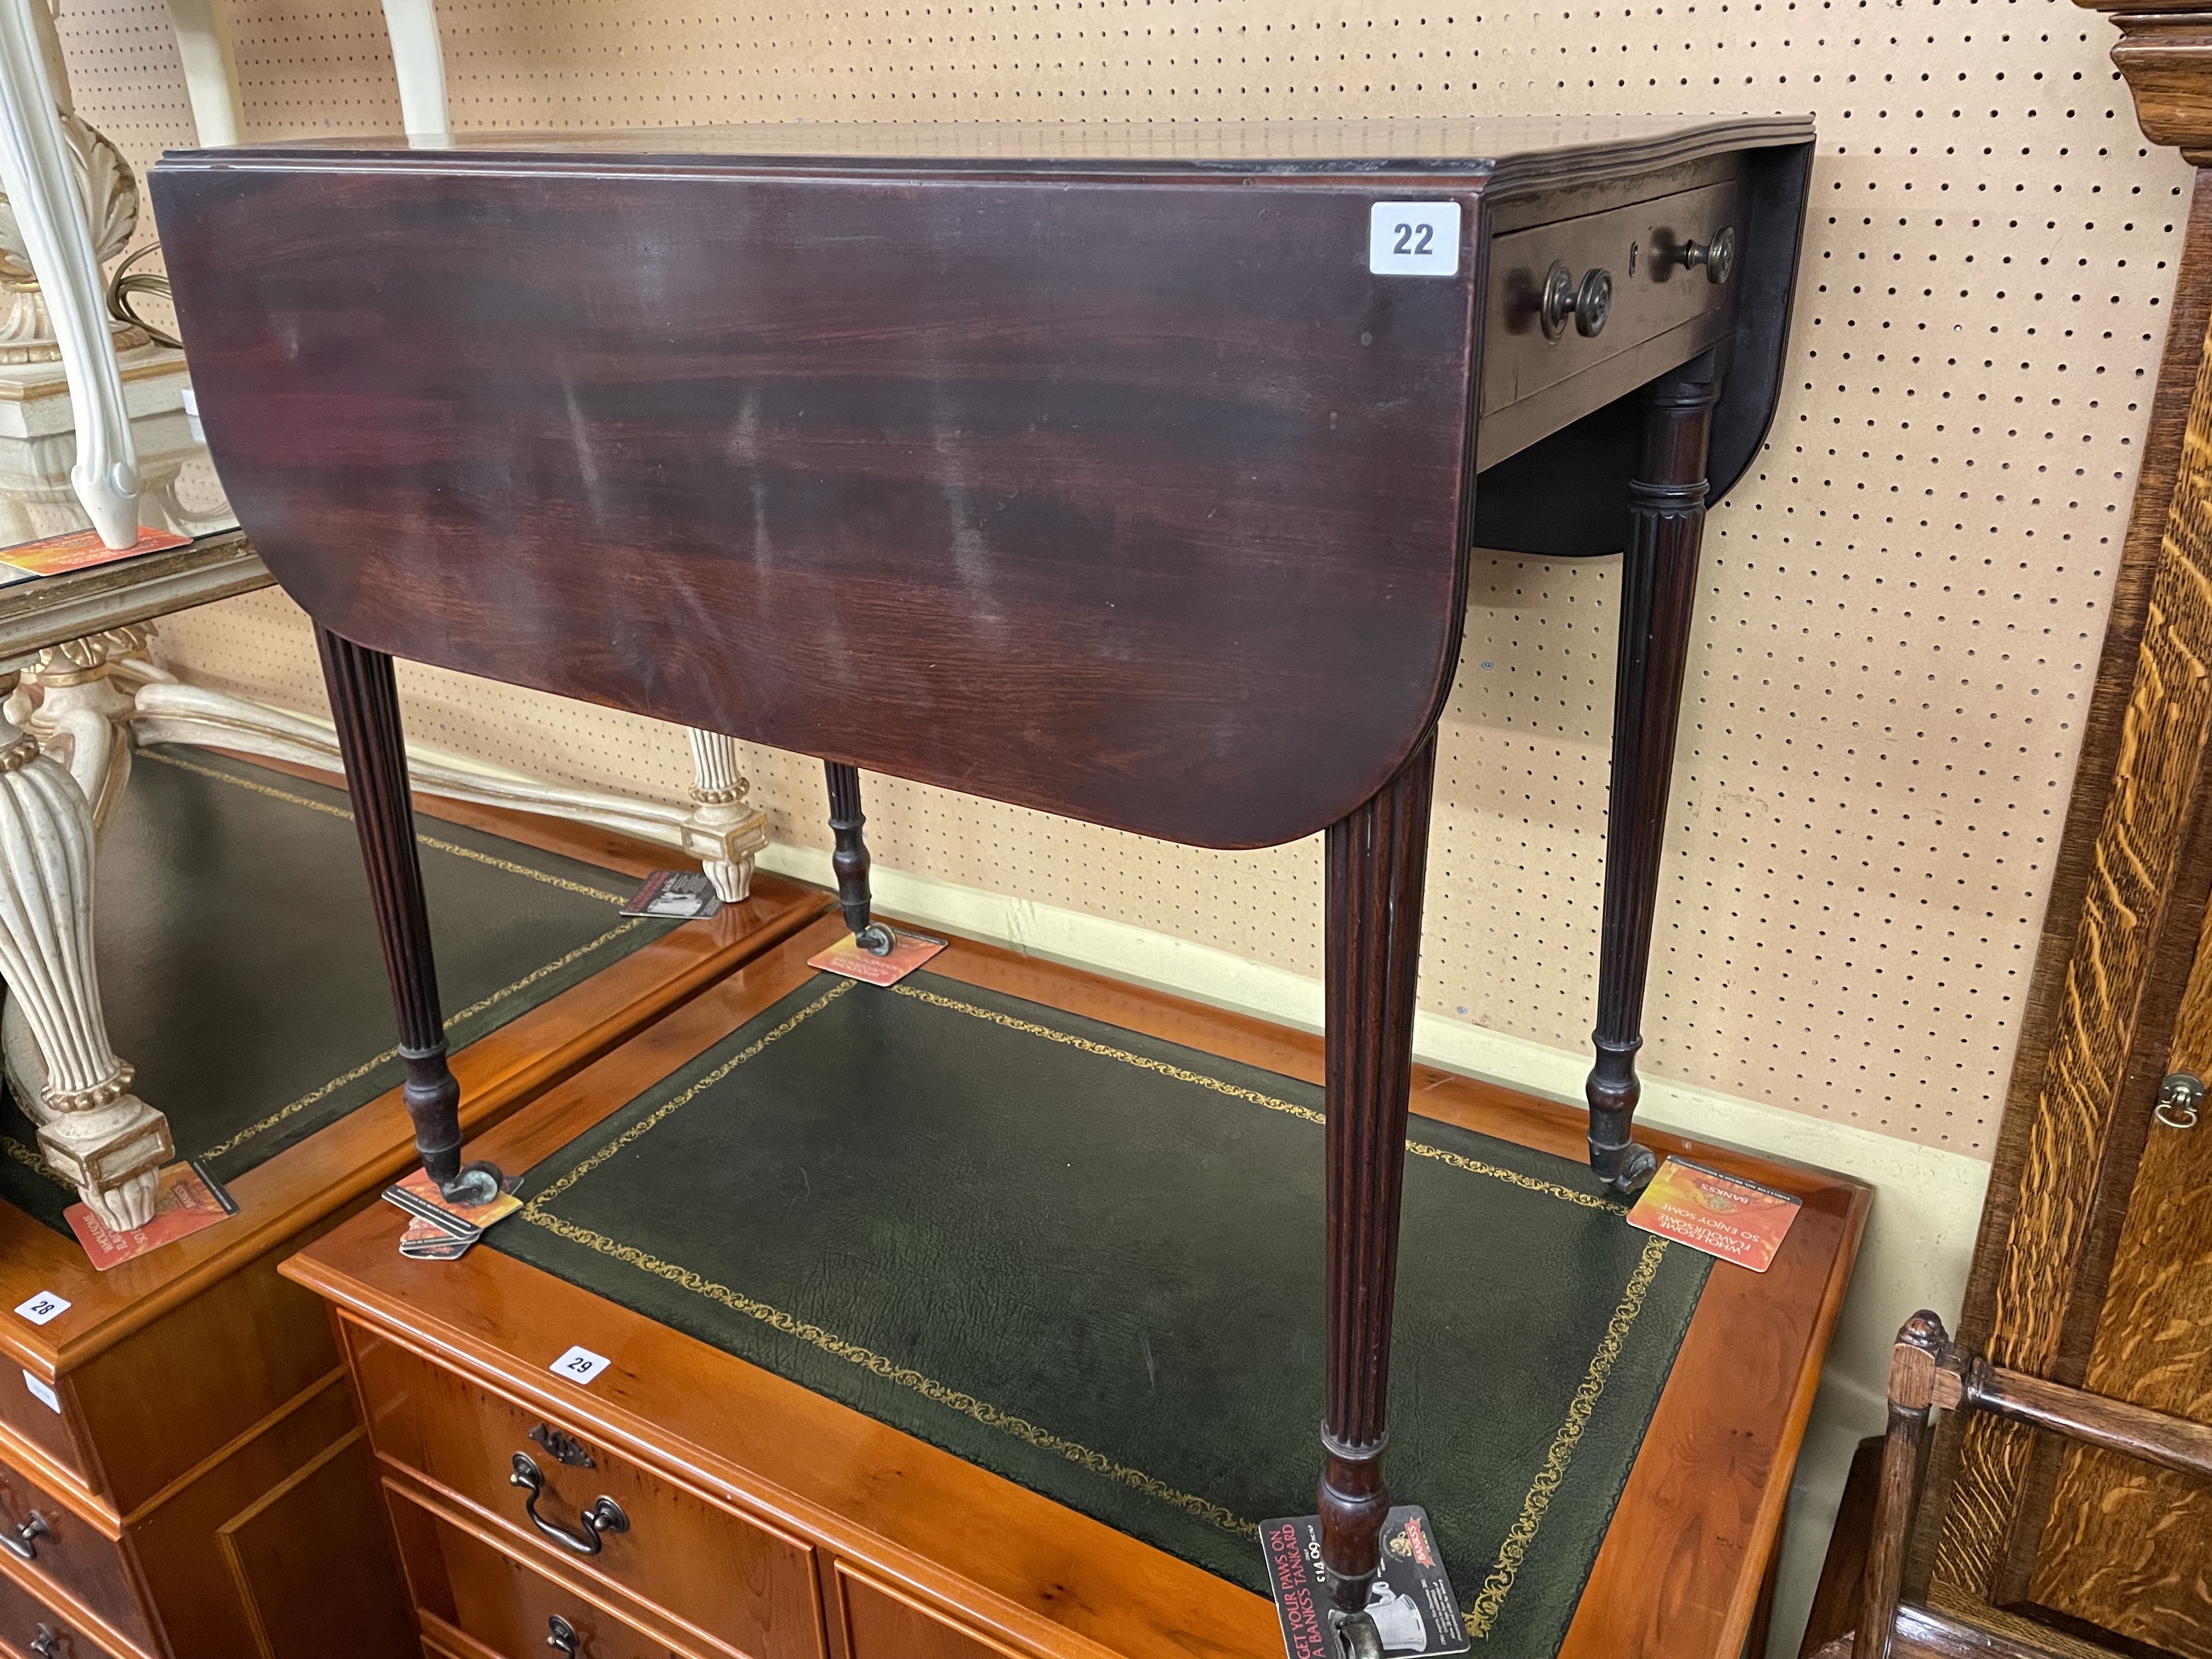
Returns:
<point x="1717" y="256"/>
<point x="605" y="1515"/>
<point x="1588" y="302"/>
<point x="46" y="1644"/>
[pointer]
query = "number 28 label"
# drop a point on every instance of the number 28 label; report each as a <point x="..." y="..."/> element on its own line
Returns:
<point x="1413" y="239"/>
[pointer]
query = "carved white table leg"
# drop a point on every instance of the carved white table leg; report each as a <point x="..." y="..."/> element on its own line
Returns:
<point x="723" y="833"/>
<point x="95" y="1133"/>
<point x="83" y="717"/>
<point x="418" y="59"/>
<point x="203" y="47"/>
<point x="49" y="219"/>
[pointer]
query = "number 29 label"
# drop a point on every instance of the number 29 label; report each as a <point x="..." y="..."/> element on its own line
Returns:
<point x="1413" y="239"/>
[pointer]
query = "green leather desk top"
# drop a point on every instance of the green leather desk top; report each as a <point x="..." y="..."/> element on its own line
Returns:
<point x="1090" y="1261"/>
<point x="240" y="967"/>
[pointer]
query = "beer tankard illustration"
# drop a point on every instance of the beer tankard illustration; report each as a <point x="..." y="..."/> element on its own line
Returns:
<point x="1398" y="1622"/>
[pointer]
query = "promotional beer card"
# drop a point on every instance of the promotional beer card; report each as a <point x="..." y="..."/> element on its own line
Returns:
<point x="1722" y="1215"/>
<point x="188" y="1199"/>
<point x="907" y="952"/>
<point x="1411" y="1601"/>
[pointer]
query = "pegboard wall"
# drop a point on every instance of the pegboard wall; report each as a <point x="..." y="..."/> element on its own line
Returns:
<point x="1902" y="603"/>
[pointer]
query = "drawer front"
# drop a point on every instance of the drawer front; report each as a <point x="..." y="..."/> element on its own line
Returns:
<point x="83" y="1563"/>
<point x="746" y="1584"/>
<point x="24" y="1619"/>
<point x="1652" y="292"/>
<point x="502" y="1603"/>
<point x="24" y="1410"/>
<point x="882" y="1623"/>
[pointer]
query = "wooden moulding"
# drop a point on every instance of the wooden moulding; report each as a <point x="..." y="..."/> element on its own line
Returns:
<point x="1679" y="1575"/>
<point x="135" y="1356"/>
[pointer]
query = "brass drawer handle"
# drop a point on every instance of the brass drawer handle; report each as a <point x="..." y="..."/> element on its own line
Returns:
<point x="604" y="1516"/>
<point x="561" y="1636"/>
<point x="22" y="1542"/>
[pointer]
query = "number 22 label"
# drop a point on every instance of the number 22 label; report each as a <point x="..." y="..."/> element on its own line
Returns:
<point x="1413" y="239"/>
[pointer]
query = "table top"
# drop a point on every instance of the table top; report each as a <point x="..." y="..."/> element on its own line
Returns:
<point x="1700" y="1514"/>
<point x="1509" y="149"/>
<point x="1139" y="493"/>
<point x="50" y="611"/>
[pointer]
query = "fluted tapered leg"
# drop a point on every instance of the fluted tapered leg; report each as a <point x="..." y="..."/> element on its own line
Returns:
<point x="1376" y="863"/>
<point x="365" y="705"/>
<point x="1667" y="522"/>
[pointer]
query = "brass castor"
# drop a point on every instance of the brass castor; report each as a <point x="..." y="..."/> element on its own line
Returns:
<point x="1357" y="1638"/>
<point x="477" y="1183"/>
<point x="876" y="940"/>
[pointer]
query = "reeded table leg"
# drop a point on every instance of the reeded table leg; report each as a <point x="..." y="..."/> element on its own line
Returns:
<point x="365" y="706"/>
<point x="849" y="859"/>
<point x="1376" y="860"/>
<point x="1667" y="521"/>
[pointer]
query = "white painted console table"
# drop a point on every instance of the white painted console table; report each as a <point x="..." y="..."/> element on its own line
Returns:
<point x="79" y="642"/>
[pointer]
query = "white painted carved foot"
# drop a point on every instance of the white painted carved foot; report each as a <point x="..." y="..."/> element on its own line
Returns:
<point x="723" y="833"/>
<point x="94" y="1132"/>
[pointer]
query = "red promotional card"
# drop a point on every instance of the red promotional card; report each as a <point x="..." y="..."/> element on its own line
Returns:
<point x="84" y="549"/>
<point x="184" y="1202"/>
<point x="1726" y="1216"/>
<point x="909" y="951"/>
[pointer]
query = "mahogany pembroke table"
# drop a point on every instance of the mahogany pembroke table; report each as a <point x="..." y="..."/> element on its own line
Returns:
<point x="1128" y="473"/>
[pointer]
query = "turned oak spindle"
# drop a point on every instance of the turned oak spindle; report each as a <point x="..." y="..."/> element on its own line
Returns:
<point x="365" y="705"/>
<point x="1376" y="860"/>
<point x="1667" y="521"/>
<point x="849" y="858"/>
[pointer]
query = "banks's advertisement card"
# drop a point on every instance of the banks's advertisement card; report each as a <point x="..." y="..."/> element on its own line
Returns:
<point x="1410" y="1602"/>
<point x="909" y="951"/>
<point x="1722" y="1215"/>
<point x="186" y="1200"/>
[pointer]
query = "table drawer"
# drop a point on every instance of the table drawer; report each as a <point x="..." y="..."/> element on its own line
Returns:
<point x="80" y="1561"/>
<point x="1653" y="294"/>
<point x="505" y="1604"/>
<point x="706" y="1564"/>
<point x="24" y="1619"/>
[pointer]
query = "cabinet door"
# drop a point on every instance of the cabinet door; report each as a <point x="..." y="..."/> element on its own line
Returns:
<point x="2124" y="1545"/>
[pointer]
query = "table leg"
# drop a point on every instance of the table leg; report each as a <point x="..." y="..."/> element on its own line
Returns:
<point x="849" y="858"/>
<point x="93" y="1131"/>
<point x="723" y="830"/>
<point x="1667" y="521"/>
<point x="1376" y="860"/>
<point x="365" y="706"/>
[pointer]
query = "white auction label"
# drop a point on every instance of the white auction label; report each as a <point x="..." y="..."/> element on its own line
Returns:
<point x="1413" y="239"/>
<point x="42" y="1391"/>
<point x="579" y="1364"/>
<point x="192" y="415"/>
<point x="43" y="1306"/>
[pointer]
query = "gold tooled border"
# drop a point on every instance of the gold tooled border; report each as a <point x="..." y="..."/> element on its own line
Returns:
<point x="29" y="1156"/>
<point x="1481" y="1616"/>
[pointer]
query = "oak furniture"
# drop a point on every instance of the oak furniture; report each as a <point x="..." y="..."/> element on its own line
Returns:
<point x="1125" y="472"/>
<point x="764" y="1518"/>
<point x="181" y="1473"/>
<point x="1929" y="1371"/>
<point x="2084" y="1271"/>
